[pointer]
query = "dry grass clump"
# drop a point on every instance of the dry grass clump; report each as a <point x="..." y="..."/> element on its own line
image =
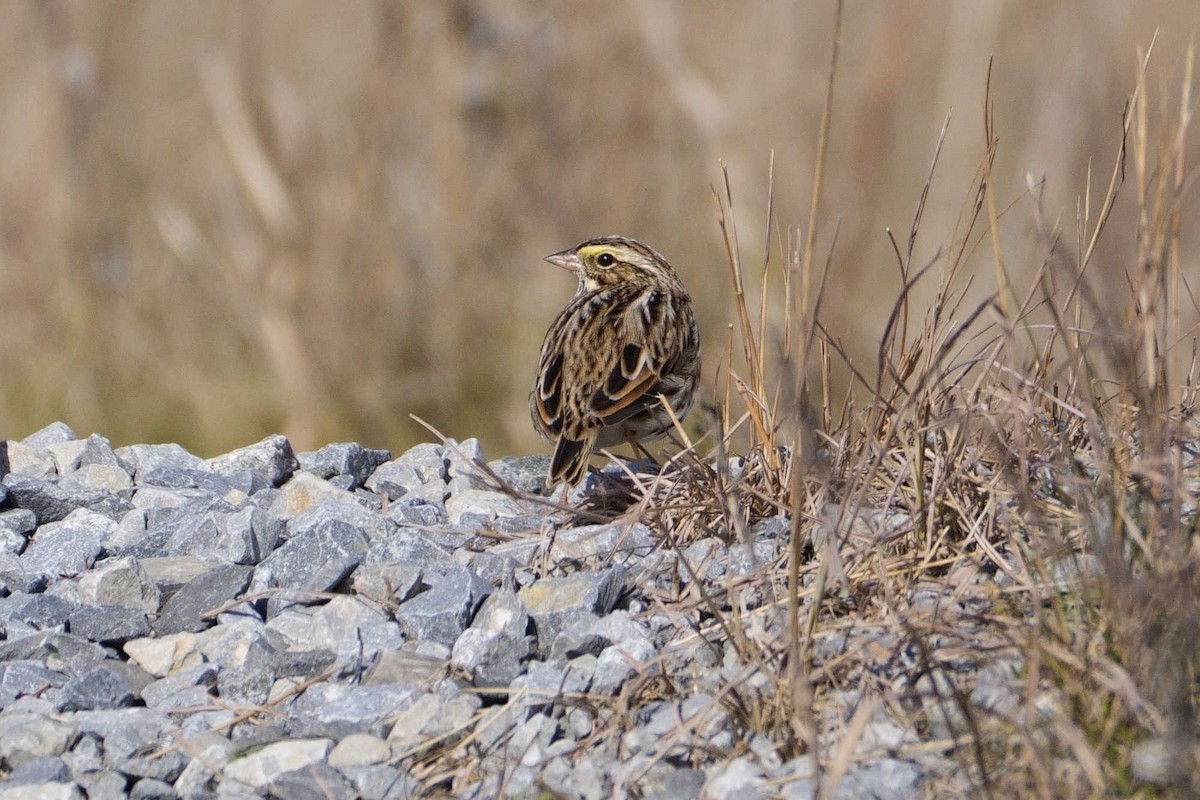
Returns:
<point x="993" y="539"/>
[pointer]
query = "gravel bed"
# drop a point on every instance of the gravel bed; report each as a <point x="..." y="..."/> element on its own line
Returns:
<point x="342" y="623"/>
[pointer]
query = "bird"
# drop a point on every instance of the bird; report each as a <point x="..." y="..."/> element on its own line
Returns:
<point x="627" y="341"/>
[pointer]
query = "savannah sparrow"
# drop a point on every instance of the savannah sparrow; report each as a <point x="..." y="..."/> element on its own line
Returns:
<point x="627" y="338"/>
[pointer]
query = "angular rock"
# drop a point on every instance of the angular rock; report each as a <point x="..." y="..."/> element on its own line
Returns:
<point x="120" y="582"/>
<point x="359" y="750"/>
<point x="430" y="715"/>
<point x="214" y="589"/>
<point x="69" y="547"/>
<point x="15" y="526"/>
<point x="97" y="477"/>
<point x="24" y="460"/>
<point x="340" y="709"/>
<point x="108" y="624"/>
<point x="28" y="677"/>
<point x="270" y="461"/>
<point x="617" y="543"/>
<point x="145" y="458"/>
<point x="405" y="665"/>
<point x="315" y="782"/>
<point x="257" y="768"/>
<point x="166" y="654"/>
<point x="51" y="502"/>
<point x="411" y="547"/>
<point x="185" y="688"/>
<point x="380" y="782"/>
<point x="441" y="613"/>
<point x="313" y="561"/>
<point x="472" y="507"/>
<point x="303" y="491"/>
<point x="558" y="604"/>
<point x="25" y="736"/>
<point x="423" y="464"/>
<point x="526" y="474"/>
<point x="352" y="514"/>
<point x="97" y="688"/>
<point x="492" y="650"/>
<point x="35" y="611"/>
<point x="343" y="458"/>
<point x="53" y="433"/>
<point x="386" y="583"/>
<point x="462" y="466"/>
<point x="42" y="769"/>
<point x="51" y="790"/>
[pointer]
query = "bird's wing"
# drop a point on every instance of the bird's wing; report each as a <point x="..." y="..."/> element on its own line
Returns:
<point x="632" y="367"/>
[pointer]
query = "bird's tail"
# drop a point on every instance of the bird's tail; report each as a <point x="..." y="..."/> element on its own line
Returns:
<point x="569" y="463"/>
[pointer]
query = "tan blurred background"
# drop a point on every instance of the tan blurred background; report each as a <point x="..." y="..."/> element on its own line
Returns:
<point x="220" y="220"/>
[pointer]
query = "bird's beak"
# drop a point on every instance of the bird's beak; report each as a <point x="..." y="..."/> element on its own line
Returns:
<point x="566" y="259"/>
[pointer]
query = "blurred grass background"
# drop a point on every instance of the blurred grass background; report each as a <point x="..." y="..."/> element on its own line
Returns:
<point x="220" y="219"/>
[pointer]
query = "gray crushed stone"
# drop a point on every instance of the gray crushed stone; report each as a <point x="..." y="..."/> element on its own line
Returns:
<point x="273" y="624"/>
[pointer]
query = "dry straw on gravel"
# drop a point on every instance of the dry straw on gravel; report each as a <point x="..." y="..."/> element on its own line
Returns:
<point x="1009" y="487"/>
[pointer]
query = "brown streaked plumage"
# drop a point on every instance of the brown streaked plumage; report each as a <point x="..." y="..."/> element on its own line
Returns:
<point x="627" y="337"/>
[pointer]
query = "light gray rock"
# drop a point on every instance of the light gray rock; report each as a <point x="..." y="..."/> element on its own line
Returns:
<point x="547" y="680"/>
<point x="355" y="630"/>
<point x="472" y="507"/>
<point x="526" y="474"/>
<point x="103" y="785"/>
<point x="413" y="511"/>
<point x="381" y="782"/>
<point x="28" y="677"/>
<point x="51" y="502"/>
<point x="429" y="715"/>
<point x="34" y="612"/>
<point x="211" y="590"/>
<point x="344" y="458"/>
<point x="96" y="688"/>
<point x="463" y="472"/>
<point x="313" y="561"/>
<point x="15" y="526"/>
<point x="25" y="736"/>
<point x="53" y="433"/>
<point x="303" y="491"/>
<point x="405" y="665"/>
<point x="42" y="769"/>
<point x="386" y="583"/>
<point x="423" y="464"/>
<point x="51" y="790"/>
<point x="108" y="624"/>
<point x="740" y="779"/>
<point x="152" y="789"/>
<point x="210" y="751"/>
<point x="97" y="477"/>
<point x="145" y="458"/>
<point x="360" y="750"/>
<point x="441" y="613"/>
<point x="120" y="582"/>
<point x="69" y="547"/>
<point x="559" y="604"/>
<point x="315" y="782"/>
<point x="258" y="767"/>
<point x="492" y="650"/>
<point x="885" y="779"/>
<point x="615" y="543"/>
<point x="270" y="461"/>
<point x="340" y="710"/>
<point x="24" y="460"/>
<point x="349" y="513"/>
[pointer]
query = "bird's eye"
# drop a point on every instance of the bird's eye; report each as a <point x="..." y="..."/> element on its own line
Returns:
<point x="605" y="259"/>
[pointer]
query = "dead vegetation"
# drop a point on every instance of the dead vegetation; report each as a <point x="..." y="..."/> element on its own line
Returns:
<point x="1010" y="487"/>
